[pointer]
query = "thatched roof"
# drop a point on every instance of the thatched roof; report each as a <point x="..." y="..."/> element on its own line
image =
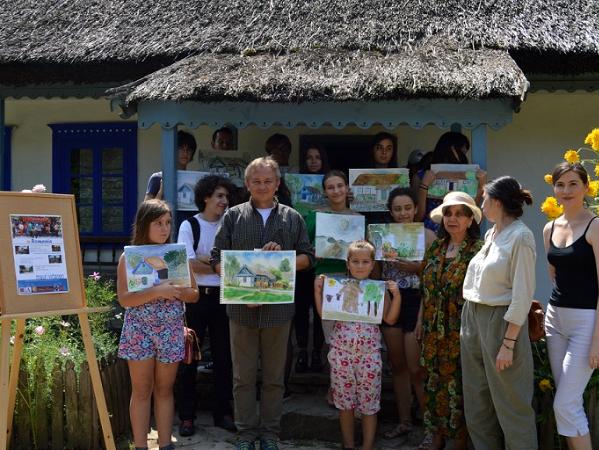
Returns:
<point x="93" y="40"/>
<point x="320" y="75"/>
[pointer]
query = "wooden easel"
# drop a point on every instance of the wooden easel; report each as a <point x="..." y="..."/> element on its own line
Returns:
<point x="9" y="376"/>
<point x="38" y="207"/>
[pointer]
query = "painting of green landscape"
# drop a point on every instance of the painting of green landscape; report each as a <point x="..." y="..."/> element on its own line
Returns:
<point x="148" y="265"/>
<point x="397" y="241"/>
<point x="352" y="300"/>
<point x="257" y="277"/>
<point x="306" y="191"/>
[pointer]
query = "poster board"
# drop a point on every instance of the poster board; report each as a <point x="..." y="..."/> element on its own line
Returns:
<point x="334" y="233"/>
<point x="371" y="187"/>
<point x="397" y="240"/>
<point x="351" y="300"/>
<point x="231" y="163"/>
<point x="32" y="228"/>
<point x="453" y="177"/>
<point x="257" y="277"/>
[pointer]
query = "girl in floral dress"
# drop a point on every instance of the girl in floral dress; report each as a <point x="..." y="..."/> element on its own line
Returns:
<point x="446" y="262"/>
<point x="152" y="336"/>
<point x="355" y="353"/>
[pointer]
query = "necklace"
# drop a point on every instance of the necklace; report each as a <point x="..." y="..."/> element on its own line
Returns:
<point x="452" y="247"/>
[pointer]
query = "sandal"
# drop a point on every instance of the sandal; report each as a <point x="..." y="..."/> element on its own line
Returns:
<point x="403" y="429"/>
<point x="426" y="443"/>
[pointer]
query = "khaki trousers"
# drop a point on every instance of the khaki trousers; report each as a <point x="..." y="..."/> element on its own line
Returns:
<point x="497" y="405"/>
<point x="247" y="345"/>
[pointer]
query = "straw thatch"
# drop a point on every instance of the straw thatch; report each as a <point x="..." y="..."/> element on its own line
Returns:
<point x="83" y="41"/>
<point x="320" y="75"/>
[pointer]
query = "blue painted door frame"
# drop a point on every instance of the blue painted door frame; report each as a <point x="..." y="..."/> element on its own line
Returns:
<point x="97" y="136"/>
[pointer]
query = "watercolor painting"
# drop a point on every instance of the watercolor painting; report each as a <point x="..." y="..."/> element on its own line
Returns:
<point x="453" y="177"/>
<point x="148" y="265"/>
<point x="257" y="277"/>
<point x="351" y="300"/>
<point x="186" y="181"/>
<point x="306" y="191"/>
<point x="371" y="187"/>
<point x="397" y="240"/>
<point x="233" y="165"/>
<point x="334" y="233"/>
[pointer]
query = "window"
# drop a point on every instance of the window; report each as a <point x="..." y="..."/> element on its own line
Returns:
<point x="98" y="164"/>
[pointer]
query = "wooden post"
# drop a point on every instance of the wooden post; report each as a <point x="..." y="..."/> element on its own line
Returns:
<point x="4" y="354"/>
<point x="94" y="373"/>
<point x="14" y="374"/>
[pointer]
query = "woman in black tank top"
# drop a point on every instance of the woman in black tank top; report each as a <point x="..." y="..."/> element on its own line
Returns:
<point x="572" y="245"/>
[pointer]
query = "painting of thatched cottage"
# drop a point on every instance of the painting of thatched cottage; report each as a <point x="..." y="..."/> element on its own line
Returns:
<point x="91" y="92"/>
<point x="371" y="187"/>
<point x="306" y="191"/>
<point x="257" y="277"/>
<point x="147" y="265"/>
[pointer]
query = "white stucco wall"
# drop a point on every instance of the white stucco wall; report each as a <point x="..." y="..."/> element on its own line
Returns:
<point x="529" y="147"/>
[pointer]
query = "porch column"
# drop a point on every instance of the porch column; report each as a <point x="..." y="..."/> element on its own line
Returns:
<point x="169" y="167"/>
<point x="2" y="148"/>
<point x="479" y="146"/>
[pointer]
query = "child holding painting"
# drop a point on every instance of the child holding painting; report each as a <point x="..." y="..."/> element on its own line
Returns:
<point x="152" y="337"/>
<point x="355" y="353"/>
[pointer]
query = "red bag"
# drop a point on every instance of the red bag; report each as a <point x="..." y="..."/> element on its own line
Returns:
<point x="536" y="321"/>
<point x="192" y="346"/>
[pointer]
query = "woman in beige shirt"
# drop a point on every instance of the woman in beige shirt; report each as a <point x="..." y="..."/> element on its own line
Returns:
<point x="497" y="366"/>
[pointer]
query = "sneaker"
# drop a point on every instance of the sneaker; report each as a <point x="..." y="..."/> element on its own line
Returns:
<point x="301" y="364"/>
<point x="268" y="444"/>
<point x="186" y="428"/>
<point x="226" y="423"/>
<point x="207" y="367"/>
<point x="244" y="445"/>
<point x="316" y="363"/>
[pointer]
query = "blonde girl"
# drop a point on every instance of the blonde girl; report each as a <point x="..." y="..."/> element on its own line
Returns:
<point x="355" y="353"/>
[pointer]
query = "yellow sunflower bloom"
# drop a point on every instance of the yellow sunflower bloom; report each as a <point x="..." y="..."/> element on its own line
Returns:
<point x="572" y="156"/>
<point x="551" y="208"/>
<point x="597" y="170"/>
<point x="592" y="139"/>
<point x="549" y="179"/>
<point x="593" y="190"/>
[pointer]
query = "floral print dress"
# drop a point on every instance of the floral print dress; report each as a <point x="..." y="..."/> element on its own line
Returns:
<point x="442" y="281"/>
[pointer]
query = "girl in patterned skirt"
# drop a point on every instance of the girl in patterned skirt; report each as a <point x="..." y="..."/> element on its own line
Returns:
<point x="355" y="353"/>
<point x="152" y="336"/>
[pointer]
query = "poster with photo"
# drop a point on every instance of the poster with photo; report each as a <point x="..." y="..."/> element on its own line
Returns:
<point x="453" y="177"/>
<point x="397" y="240"/>
<point x="371" y="187"/>
<point x="186" y="181"/>
<point x="148" y="265"/>
<point x="334" y="233"/>
<point x="351" y="300"/>
<point x="38" y="253"/>
<point x="257" y="277"/>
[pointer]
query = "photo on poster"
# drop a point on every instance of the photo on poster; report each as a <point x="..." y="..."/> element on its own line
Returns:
<point x="453" y="177"/>
<point x="397" y="240"/>
<point x="257" y="277"/>
<point x="306" y="191"/>
<point x="371" y="187"/>
<point x="37" y="243"/>
<point x="186" y="181"/>
<point x="351" y="300"/>
<point x="334" y="233"/>
<point x="148" y="265"/>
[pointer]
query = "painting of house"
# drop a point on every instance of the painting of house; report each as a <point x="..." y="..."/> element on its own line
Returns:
<point x="257" y="277"/>
<point x="186" y="181"/>
<point x="453" y="177"/>
<point x="371" y="187"/>
<point x="147" y="265"/>
<point x="228" y="166"/>
<point x="306" y="191"/>
<point x="397" y="240"/>
<point x="103" y="98"/>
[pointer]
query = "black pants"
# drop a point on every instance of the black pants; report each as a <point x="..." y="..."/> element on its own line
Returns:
<point x="208" y="313"/>
<point x="304" y="300"/>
